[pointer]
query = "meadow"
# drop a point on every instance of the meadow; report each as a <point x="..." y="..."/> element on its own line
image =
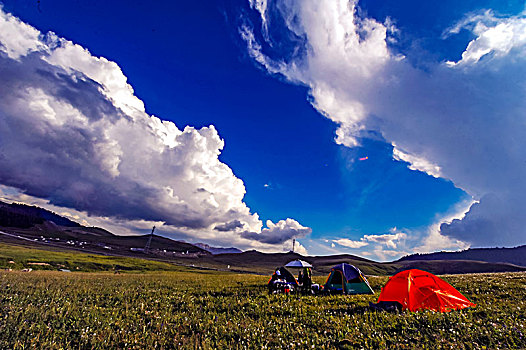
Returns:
<point x="205" y="309"/>
<point x="17" y="257"/>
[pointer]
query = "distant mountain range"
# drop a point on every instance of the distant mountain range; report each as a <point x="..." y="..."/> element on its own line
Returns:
<point x="218" y="250"/>
<point x="257" y="262"/>
<point x="515" y="255"/>
<point x="36" y="227"/>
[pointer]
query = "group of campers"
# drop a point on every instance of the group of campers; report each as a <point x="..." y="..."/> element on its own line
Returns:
<point x="343" y="279"/>
<point x="411" y="290"/>
<point x="283" y="281"/>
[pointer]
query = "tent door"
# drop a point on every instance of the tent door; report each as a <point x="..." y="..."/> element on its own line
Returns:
<point x="337" y="280"/>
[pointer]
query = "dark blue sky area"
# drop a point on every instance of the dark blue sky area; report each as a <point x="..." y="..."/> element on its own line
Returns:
<point x="186" y="61"/>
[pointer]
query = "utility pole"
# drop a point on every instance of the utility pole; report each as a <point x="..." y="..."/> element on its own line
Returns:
<point x="293" y="244"/>
<point x="149" y="241"/>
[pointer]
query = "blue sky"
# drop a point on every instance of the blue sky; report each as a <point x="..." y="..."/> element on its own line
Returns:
<point x="262" y="82"/>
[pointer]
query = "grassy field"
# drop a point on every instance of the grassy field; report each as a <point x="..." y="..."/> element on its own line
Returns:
<point x="19" y="257"/>
<point x="183" y="309"/>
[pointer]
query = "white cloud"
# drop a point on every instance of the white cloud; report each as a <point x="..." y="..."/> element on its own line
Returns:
<point x="261" y="7"/>
<point x="350" y="243"/>
<point x="390" y="240"/>
<point x="283" y="230"/>
<point x="462" y="122"/>
<point x="397" y="243"/>
<point x="416" y="163"/>
<point x="300" y="249"/>
<point x="18" y="38"/>
<point x="74" y="135"/>
<point x="433" y="240"/>
<point x="494" y="35"/>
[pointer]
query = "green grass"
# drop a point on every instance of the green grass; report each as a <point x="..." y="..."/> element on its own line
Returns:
<point x="18" y="257"/>
<point x="53" y="310"/>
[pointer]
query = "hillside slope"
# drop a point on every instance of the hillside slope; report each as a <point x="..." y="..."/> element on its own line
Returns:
<point x="43" y="227"/>
<point x="26" y="216"/>
<point x="516" y="256"/>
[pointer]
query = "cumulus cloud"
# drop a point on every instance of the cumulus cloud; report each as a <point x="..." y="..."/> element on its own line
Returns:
<point x="495" y="35"/>
<point x="350" y="243"/>
<point x="74" y="135"/>
<point x="229" y="226"/>
<point x="387" y="254"/>
<point x="387" y="246"/>
<point x="492" y="221"/>
<point x="416" y="163"/>
<point x="436" y="239"/>
<point x="462" y="121"/>
<point x="300" y="249"/>
<point x="390" y="240"/>
<point x="280" y="232"/>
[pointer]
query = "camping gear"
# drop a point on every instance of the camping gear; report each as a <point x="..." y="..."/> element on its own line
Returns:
<point x="282" y="281"/>
<point x="389" y="306"/>
<point x="304" y="282"/>
<point x="316" y="288"/>
<point x="298" y="263"/>
<point x="347" y="279"/>
<point x="416" y="289"/>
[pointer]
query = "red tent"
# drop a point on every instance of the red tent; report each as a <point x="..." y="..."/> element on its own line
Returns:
<point x="417" y="289"/>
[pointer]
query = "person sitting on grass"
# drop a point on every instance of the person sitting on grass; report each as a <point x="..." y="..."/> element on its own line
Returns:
<point x="307" y="280"/>
<point x="276" y="276"/>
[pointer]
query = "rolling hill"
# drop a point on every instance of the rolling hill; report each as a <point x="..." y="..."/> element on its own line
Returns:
<point x="40" y="227"/>
<point x="26" y="216"/>
<point x="34" y="227"/>
<point x="516" y="256"/>
<point x="265" y="263"/>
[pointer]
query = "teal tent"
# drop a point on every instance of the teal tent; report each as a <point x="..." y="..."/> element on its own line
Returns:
<point x="346" y="279"/>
